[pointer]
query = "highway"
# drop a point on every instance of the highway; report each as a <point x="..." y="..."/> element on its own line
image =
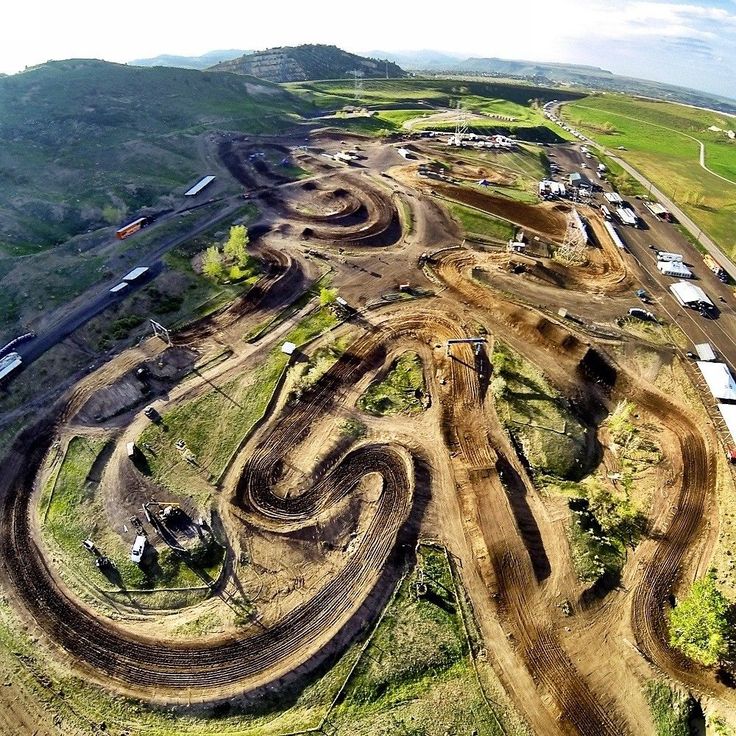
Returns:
<point x="92" y="304"/>
<point x="721" y="331"/>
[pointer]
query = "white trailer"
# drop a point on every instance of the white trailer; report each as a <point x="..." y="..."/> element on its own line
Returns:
<point x="674" y="268"/>
<point x="663" y="255"/>
<point x="205" y="181"/>
<point x="139" y="546"/>
<point x="705" y="351"/>
<point x="614" y="197"/>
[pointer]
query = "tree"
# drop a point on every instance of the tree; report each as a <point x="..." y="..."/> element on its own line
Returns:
<point x="212" y="263"/>
<point x="237" y="243"/>
<point x="327" y="296"/>
<point x="699" y="623"/>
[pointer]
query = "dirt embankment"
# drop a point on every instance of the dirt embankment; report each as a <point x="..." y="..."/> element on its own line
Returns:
<point x="545" y="219"/>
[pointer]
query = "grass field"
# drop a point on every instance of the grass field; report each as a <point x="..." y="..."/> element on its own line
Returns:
<point x="480" y="224"/>
<point x="401" y="391"/>
<point x="72" y="510"/>
<point x="658" y="138"/>
<point x="215" y="424"/>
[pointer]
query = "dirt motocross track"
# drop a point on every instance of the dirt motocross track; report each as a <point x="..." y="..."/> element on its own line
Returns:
<point x="493" y="519"/>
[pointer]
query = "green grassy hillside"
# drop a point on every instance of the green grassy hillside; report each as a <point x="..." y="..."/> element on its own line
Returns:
<point x="86" y="142"/>
<point x="661" y="140"/>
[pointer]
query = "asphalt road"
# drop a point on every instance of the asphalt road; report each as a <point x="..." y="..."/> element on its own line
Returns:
<point x="721" y="331"/>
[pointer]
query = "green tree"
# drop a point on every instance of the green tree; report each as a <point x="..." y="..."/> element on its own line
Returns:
<point x="237" y="244"/>
<point x="212" y="263"/>
<point x="327" y="296"/>
<point x="699" y="623"/>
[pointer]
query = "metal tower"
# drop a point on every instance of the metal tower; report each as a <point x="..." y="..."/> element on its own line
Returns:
<point x="572" y="250"/>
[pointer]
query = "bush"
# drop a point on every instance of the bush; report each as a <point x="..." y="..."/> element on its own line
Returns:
<point x="699" y="623"/>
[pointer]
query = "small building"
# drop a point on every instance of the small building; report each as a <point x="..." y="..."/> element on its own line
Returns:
<point x="135" y="274"/>
<point x="614" y="197"/>
<point x="676" y="269"/>
<point x="516" y="246"/>
<point x="205" y="181"/>
<point x="288" y="348"/>
<point x="580" y="182"/>
<point x="719" y="379"/>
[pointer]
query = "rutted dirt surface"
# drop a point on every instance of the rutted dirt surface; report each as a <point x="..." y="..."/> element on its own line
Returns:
<point x="462" y="470"/>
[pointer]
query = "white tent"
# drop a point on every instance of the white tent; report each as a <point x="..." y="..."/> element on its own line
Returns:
<point x="689" y="295"/>
<point x="719" y="380"/>
<point x="728" y="412"/>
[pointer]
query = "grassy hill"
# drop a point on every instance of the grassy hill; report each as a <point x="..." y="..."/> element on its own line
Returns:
<point x="309" y="61"/>
<point x="85" y="143"/>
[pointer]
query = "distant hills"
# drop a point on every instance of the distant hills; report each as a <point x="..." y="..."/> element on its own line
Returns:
<point x="553" y="74"/>
<point x="85" y="143"/>
<point x="190" y="62"/>
<point x="308" y="62"/>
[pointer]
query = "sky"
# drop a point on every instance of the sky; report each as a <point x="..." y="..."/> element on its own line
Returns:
<point x="688" y="43"/>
